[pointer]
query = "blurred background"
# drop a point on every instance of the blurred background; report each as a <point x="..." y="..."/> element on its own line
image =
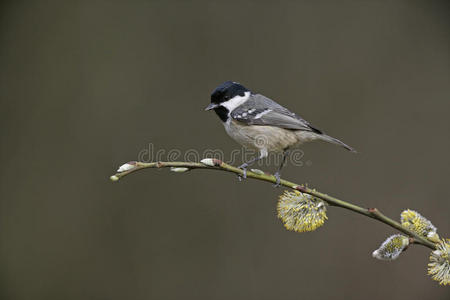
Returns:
<point x="87" y="85"/>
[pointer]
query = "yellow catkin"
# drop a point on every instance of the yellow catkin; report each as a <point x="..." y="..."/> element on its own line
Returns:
<point x="301" y="212"/>
<point x="439" y="266"/>
<point x="417" y="223"/>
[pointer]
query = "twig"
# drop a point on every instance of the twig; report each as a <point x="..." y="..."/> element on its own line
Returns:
<point x="218" y="165"/>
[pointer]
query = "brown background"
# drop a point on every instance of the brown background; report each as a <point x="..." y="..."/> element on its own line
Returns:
<point x="87" y="85"/>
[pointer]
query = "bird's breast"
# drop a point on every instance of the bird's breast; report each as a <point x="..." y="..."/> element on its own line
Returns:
<point x="270" y="138"/>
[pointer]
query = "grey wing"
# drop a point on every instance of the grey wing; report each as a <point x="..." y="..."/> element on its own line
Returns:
<point x="260" y="110"/>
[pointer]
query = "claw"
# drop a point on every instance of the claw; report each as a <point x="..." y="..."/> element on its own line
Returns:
<point x="243" y="167"/>
<point x="278" y="179"/>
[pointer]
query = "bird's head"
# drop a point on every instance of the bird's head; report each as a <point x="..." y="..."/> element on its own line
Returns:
<point x="227" y="96"/>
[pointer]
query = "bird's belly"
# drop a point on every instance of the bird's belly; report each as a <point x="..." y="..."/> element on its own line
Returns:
<point x="271" y="139"/>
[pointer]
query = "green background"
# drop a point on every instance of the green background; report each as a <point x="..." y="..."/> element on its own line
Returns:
<point x="85" y="86"/>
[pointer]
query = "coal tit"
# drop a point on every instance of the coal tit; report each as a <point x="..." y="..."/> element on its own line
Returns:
<point x="259" y="123"/>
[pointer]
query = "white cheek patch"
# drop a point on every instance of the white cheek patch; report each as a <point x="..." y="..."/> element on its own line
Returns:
<point x="235" y="101"/>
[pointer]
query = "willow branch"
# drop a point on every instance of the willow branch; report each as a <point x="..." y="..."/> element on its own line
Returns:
<point x="259" y="175"/>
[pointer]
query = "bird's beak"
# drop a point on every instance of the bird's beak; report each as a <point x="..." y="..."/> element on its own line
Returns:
<point x="211" y="106"/>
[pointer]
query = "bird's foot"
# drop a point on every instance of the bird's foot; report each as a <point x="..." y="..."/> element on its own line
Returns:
<point x="243" y="167"/>
<point x="278" y="179"/>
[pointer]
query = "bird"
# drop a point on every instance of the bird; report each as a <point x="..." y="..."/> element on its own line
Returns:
<point x="259" y="123"/>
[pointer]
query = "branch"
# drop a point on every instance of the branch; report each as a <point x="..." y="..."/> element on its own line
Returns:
<point x="215" y="164"/>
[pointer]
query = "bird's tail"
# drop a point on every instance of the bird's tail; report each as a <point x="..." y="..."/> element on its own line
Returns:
<point x="332" y="140"/>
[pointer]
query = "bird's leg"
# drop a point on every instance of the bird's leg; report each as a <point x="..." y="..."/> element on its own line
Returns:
<point x="245" y="165"/>
<point x="278" y="172"/>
